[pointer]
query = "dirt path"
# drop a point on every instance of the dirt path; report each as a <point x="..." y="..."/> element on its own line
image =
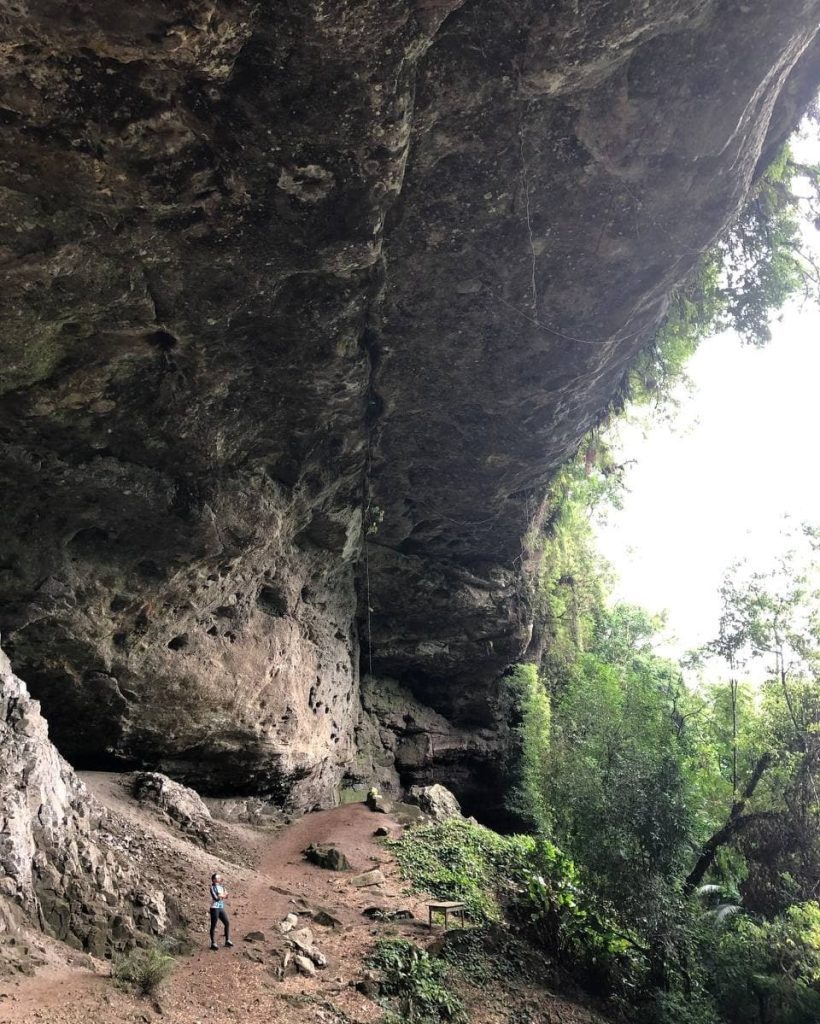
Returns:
<point x="240" y="983"/>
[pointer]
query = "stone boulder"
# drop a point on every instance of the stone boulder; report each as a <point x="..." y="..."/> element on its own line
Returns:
<point x="181" y="805"/>
<point x="373" y="877"/>
<point x="324" y="855"/>
<point x="62" y="868"/>
<point x="378" y="803"/>
<point x="436" y="801"/>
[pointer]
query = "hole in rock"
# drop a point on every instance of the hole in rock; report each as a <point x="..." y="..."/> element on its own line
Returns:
<point x="272" y="601"/>
<point x="89" y="539"/>
<point x="285" y="472"/>
<point x="213" y="631"/>
<point x="178" y="643"/>
<point x="324" y="533"/>
<point x="149" y="569"/>
<point x="162" y="340"/>
<point x="118" y="603"/>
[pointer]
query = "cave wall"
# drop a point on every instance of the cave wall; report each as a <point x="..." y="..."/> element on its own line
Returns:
<point x="61" y="868"/>
<point x="270" y="265"/>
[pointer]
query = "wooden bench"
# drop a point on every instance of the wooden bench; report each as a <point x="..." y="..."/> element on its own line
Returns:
<point x="446" y="907"/>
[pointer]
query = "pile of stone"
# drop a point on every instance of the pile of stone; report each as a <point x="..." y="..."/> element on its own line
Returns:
<point x="302" y="954"/>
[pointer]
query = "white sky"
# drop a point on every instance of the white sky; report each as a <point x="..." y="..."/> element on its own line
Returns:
<point x="715" y="489"/>
<point x="717" y="486"/>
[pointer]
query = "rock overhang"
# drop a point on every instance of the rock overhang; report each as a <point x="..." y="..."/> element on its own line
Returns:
<point x="270" y="270"/>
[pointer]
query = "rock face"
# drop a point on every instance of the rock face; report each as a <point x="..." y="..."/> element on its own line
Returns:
<point x="276" y="269"/>
<point x="182" y="805"/>
<point x="60" y="868"/>
<point x="436" y="801"/>
<point x="402" y="742"/>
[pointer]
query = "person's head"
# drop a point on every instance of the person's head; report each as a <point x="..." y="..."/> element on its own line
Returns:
<point x="216" y="878"/>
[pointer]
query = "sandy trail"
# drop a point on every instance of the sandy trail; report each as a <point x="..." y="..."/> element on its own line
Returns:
<point x="239" y="983"/>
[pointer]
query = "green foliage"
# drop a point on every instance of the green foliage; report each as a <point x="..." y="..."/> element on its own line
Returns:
<point x="454" y="860"/>
<point x="520" y="878"/>
<point x="740" y="283"/>
<point x="524" y="704"/>
<point x="417" y="982"/>
<point x="772" y="619"/>
<point x="143" y="970"/>
<point x="571" y="579"/>
<point x="767" y="971"/>
<point x="694" y="314"/>
<point x="761" y="255"/>
<point x="618" y="786"/>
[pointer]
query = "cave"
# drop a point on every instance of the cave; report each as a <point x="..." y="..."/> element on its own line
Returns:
<point x="306" y="314"/>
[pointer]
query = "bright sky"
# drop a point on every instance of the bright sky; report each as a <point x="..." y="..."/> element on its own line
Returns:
<point x="717" y="486"/>
<point x="742" y="455"/>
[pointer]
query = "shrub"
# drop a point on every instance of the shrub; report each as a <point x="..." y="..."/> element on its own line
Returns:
<point x="143" y="970"/>
<point x="417" y="982"/>
<point x="526" y="879"/>
<point x="454" y="860"/>
<point x="524" y="704"/>
<point x="770" y="970"/>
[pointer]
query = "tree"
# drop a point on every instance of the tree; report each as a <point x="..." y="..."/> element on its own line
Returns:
<point x="772" y="618"/>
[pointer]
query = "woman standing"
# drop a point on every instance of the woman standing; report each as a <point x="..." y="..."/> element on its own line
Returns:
<point x="218" y="913"/>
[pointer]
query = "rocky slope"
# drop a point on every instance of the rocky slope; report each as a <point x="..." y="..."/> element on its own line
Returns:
<point x="61" y="869"/>
<point x="271" y="266"/>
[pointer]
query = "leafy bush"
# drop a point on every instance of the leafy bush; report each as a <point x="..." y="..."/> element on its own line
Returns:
<point x="770" y="970"/>
<point x="523" y="878"/>
<point x="524" y="704"/>
<point x="417" y="982"/>
<point x="144" y="970"/>
<point x="453" y="860"/>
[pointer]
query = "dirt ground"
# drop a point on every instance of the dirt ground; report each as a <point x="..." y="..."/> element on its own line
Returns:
<point x="266" y="878"/>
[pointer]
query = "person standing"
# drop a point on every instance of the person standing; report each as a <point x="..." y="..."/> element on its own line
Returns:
<point x="218" y="912"/>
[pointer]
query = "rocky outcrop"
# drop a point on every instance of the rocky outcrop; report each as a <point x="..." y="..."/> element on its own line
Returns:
<point x="181" y="805"/>
<point x="278" y="269"/>
<point x="402" y="742"/>
<point x="436" y="801"/>
<point x="61" y="868"/>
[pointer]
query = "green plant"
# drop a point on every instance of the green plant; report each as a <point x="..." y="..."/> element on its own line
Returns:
<point x="453" y="860"/>
<point x="523" y="703"/>
<point x="143" y="970"/>
<point x="417" y="982"/>
<point x="769" y="971"/>
<point x="524" y="879"/>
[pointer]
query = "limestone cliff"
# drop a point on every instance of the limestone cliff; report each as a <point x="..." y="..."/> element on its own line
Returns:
<point x="60" y="867"/>
<point x="267" y="266"/>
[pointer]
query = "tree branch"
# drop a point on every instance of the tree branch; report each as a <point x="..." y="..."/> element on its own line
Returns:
<point x="736" y="823"/>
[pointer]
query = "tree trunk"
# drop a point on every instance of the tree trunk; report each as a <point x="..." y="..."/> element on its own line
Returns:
<point x="736" y="823"/>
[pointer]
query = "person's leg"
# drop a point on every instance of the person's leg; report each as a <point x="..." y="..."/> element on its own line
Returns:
<point x="214" y="919"/>
<point x="226" y="921"/>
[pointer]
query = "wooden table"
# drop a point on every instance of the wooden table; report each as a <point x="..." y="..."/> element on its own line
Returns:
<point x="446" y="907"/>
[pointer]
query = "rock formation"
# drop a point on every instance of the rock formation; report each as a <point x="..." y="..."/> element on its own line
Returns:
<point x="178" y="804"/>
<point x="61" y="869"/>
<point x="276" y="269"/>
